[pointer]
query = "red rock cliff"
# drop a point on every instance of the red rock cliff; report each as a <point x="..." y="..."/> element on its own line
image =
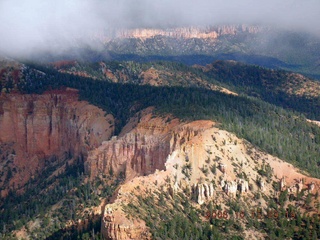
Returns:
<point x="144" y="146"/>
<point x="51" y="124"/>
<point x="141" y="150"/>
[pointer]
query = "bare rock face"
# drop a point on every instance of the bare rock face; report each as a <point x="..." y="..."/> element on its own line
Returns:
<point x="49" y="127"/>
<point x="117" y="227"/>
<point x="283" y="183"/>
<point x="231" y="188"/>
<point x="203" y="192"/>
<point x="243" y="185"/>
<point x="300" y="185"/>
<point x="188" y="32"/>
<point x="133" y="154"/>
<point x="262" y="185"/>
<point x="197" y="147"/>
<point x="139" y="151"/>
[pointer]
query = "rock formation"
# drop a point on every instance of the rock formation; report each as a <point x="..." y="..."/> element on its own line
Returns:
<point x="311" y="187"/>
<point x="292" y="189"/>
<point x="222" y="167"/>
<point x="139" y="152"/>
<point x="243" y="186"/>
<point x="300" y="185"/>
<point x="134" y="153"/>
<point x="231" y="188"/>
<point x="202" y="192"/>
<point x="283" y="184"/>
<point x="262" y="185"/>
<point x="121" y="229"/>
<point x="188" y="32"/>
<point x="45" y="129"/>
<point x="184" y="147"/>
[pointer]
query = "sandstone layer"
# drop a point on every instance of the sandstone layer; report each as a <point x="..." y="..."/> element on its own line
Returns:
<point x="45" y="129"/>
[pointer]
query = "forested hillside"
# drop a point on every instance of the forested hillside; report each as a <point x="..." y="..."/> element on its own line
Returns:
<point x="280" y="132"/>
<point x="286" y="89"/>
<point x="285" y="134"/>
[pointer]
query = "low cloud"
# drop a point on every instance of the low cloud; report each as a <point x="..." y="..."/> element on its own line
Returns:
<point x="33" y="25"/>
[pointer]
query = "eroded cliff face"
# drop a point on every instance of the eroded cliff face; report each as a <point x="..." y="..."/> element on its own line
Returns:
<point x="199" y="160"/>
<point x="141" y="148"/>
<point x="116" y="227"/>
<point x="133" y="154"/>
<point x="47" y="128"/>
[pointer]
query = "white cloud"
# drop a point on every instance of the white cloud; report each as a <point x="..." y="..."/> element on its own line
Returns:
<point x="26" y="26"/>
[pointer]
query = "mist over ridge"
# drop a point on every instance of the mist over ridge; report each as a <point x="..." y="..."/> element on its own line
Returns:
<point x="30" y="26"/>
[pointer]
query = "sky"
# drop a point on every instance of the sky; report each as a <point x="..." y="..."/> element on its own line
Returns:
<point x="32" y="25"/>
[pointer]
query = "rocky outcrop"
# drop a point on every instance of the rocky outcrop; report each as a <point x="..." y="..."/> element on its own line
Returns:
<point x="133" y="154"/>
<point x="188" y="32"/>
<point x="230" y="188"/>
<point x="140" y="151"/>
<point x="120" y="228"/>
<point x="195" y="147"/>
<point x="311" y="187"/>
<point x="262" y="185"/>
<point x="283" y="184"/>
<point x="300" y="185"/>
<point x="203" y="192"/>
<point x="243" y="186"/>
<point x="179" y="41"/>
<point x="50" y="127"/>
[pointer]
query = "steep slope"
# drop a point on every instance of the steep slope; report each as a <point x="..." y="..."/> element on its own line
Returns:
<point x="203" y="164"/>
<point x="265" y="125"/>
<point x="44" y="130"/>
<point x="174" y="164"/>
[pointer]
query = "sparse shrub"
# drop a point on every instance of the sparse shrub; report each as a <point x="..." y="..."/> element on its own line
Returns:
<point x="214" y="169"/>
<point x="205" y="170"/>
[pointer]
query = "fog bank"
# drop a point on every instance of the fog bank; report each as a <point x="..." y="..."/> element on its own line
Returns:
<point x="33" y="25"/>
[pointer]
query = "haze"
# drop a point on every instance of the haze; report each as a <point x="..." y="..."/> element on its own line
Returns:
<point x="29" y="26"/>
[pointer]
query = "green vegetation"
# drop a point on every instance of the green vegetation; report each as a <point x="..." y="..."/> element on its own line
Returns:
<point x="171" y="218"/>
<point x="273" y="129"/>
<point x="277" y="131"/>
<point x="269" y="85"/>
<point x="71" y="195"/>
<point x="175" y="217"/>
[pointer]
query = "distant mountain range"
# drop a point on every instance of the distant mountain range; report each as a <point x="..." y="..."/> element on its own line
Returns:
<point x="265" y="46"/>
